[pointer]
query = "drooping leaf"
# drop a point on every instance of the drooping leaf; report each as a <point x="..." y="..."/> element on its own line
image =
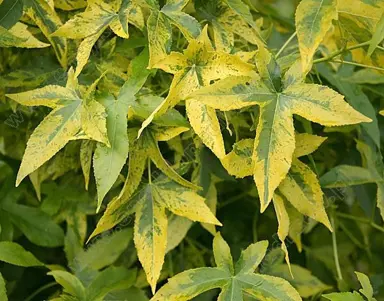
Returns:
<point x="149" y="205"/>
<point x="377" y="37"/>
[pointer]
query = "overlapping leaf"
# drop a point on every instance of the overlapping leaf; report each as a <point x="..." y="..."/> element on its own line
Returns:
<point x="149" y="205"/>
<point x="98" y="16"/>
<point x="300" y="188"/>
<point x="72" y="114"/>
<point x="196" y="67"/>
<point x="159" y="27"/>
<point x="226" y="22"/>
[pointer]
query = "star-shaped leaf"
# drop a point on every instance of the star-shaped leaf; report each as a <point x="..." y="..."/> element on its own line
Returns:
<point x="226" y="22"/>
<point x="279" y="99"/>
<point x="196" y="67"/>
<point x="233" y="280"/>
<point x="300" y="188"/>
<point x="159" y="27"/>
<point x="74" y="115"/>
<point x="98" y="16"/>
<point x="149" y="204"/>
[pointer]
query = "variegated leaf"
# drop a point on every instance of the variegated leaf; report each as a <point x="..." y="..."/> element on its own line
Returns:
<point x="313" y="20"/>
<point x="274" y="142"/>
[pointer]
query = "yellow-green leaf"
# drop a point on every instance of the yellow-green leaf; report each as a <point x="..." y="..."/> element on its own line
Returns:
<point x="313" y="20"/>
<point x="86" y="151"/>
<point x="233" y="284"/>
<point x="19" y="36"/>
<point x="196" y="67"/>
<point x="48" y="21"/>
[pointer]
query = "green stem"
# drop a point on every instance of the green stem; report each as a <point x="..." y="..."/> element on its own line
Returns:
<point x="40" y="289"/>
<point x="360" y="219"/>
<point x="335" y="252"/>
<point x="254" y="226"/>
<point x="285" y="44"/>
<point x="340" y="51"/>
<point x="232" y="200"/>
<point x="358" y="65"/>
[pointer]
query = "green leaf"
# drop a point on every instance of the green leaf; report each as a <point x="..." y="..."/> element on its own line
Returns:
<point x="36" y="225"/>
<point x="70" y="283"/>
<point x="367" y="289"/>
<point x="377" y="37"/>
<point x="313" y="20"/>
<point x="306" y="284"/>
<point x="108" y="161"/>
<point x="15" y="254"/>
<point x="3" y="290"/>
<point x="110" y="279"/>
<point x="344" y="297"/>
<point x="104" y="251"/>
<point x="10" y="12"/>
<point x="347" y="175"/>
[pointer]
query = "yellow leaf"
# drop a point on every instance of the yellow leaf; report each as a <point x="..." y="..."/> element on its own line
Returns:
<point x="313" y="20"/>
<point x="150" y="236"/>
<point x="284" y="223"/>
<point x="48" y="21"/>
<point x="86" y="151"/>
<point x="94" y="121"/>
<point x="19" y="36"/>
<point x="196" y="67"/>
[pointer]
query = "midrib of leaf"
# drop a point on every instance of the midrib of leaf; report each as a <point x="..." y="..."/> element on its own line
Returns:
<point x="253" y="285"/>
<point x="65" y="121"/>
<point x="115" y="105"/>
<point x="266" y="181"/>
<point x="314" y="19"/>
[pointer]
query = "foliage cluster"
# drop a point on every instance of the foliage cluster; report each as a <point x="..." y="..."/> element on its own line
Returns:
<point x="136" y="134"/>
